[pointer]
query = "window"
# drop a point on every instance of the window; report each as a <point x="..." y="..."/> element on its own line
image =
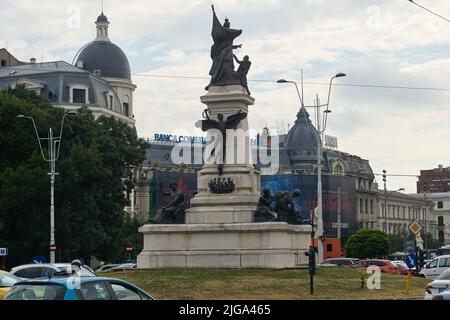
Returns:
<point x="95" y="291"/>
<point x="126" y="109"/>
<point x="111" y="101"/>
<point x="371" y="206"/>
<point x="440" y="205"/>
<point x="433" y="264"/>
<point x="3" y="63"/>
<point x="444" y="262"/>
<point x="329" y="247"/>
<point x="125" y="293"/>
<point x="359" y="265"/>
<point x="338" y="170"/>
<point x="441" y="220"/>
<point x="79" y="95"/>
<point x="37" y="292"/>
<point x="29" y="273"/>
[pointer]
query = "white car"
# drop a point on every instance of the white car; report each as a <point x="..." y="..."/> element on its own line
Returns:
<point x="38" y="270"/>
<point x="124" y="266"/>
<point x="436" y="267"/>
<point x="439" y="285"/>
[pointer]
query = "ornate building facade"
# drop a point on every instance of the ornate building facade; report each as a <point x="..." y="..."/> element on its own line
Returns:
<point x="99" y="80"/>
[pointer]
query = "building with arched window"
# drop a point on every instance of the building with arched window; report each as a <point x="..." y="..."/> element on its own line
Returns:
<point x="100" y="79"/>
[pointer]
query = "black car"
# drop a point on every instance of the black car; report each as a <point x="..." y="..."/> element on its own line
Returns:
<point x="339" y="261"/>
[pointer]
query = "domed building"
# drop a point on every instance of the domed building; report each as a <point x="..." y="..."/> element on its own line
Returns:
<point x="301" y="143"/>
<point x="106" y="60"/>
<point x="100" y="79"/>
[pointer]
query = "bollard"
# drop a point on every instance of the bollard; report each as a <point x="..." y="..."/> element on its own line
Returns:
<point x="408" y="282"/>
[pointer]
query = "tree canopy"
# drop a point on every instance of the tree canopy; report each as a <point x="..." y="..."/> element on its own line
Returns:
<point x="94" y="168"/>
<point x="367" y="243"/>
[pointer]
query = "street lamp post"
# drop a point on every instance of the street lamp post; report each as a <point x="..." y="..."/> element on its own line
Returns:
<point x="54" y="144"/>
<point x="386" y="196"/>
<point x="320" y="132"/>
<point x="427" y="219"/>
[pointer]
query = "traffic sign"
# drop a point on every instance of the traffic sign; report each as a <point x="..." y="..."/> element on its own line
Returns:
<point x="411" y="260"/>
<point x="39" y="259"/>
<point x="3" y="252"/>
<point x="52" y="248"/>
<point x="415" y="227"/>
<point x="343" y="225"/>
<point x="129" y="248"/>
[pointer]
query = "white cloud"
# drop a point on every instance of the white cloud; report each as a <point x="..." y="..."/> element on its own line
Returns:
<point x="374" y="42"/>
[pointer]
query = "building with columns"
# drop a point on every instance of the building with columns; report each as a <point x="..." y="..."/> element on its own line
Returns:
<point x="99" y="80"/>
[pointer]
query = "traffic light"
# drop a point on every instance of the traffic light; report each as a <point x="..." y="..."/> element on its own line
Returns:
<point x="422" y="256"/>
<point x="384" y="175"/>
<point x="311" y="253"/>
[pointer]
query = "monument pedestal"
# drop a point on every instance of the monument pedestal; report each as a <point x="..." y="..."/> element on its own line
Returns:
<point x="235" y="245"/>
<point x="219" y="230"/>
<point x="236" y="207"/>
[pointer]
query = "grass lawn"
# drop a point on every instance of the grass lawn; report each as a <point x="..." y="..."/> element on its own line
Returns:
<point x="254" y="284"/>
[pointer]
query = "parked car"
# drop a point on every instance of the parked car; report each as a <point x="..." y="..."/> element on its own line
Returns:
<point x="106" y="267"/>
<point x="403" y="267"/>
<point x="339" y="261"/>
<point x="445" y="295"/>
<point x="89" y="288"/>
<point x="33" y="271"/>
<point x="124" y="266"/>
<point x="436" y="267"/>
<point x="384" y="265"/>
<point x="438" y="285"/>
<point x="7" y="280"/>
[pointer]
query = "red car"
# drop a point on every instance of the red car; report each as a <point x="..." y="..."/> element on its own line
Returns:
<point x="403" y="268"/>
<point x="384" y="265"/>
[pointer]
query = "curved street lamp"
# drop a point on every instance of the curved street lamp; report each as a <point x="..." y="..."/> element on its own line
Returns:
<point x="54" y="145"/>
<point x="319" y="153"/>
<point x="386" y="196"/>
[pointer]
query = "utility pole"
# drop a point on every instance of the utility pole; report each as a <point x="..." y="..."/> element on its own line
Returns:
<point x="339" y="213"/>
<point x="385" y="228"/>
<point x="426" y="220"/>
<point x="319" y="187"/>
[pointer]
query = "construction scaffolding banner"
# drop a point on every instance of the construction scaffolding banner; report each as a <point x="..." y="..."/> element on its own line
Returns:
<point x="338" y="196"/>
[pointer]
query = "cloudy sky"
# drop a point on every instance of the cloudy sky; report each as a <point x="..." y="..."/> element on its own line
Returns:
<point x="379" y="43"/>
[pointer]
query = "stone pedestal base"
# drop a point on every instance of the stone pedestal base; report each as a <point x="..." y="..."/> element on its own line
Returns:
<point x="236" y="207"/>
<point x="237" y="245"/>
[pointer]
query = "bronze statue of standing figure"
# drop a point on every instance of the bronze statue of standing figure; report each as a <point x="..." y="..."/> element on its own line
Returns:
<point x="222" y="69"/>
<point x="173" y="212"/>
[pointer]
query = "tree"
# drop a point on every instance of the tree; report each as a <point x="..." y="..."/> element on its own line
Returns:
<point x="368" y="244"/>
<point x="396" y="242"/>
<point x="95" y="157"/>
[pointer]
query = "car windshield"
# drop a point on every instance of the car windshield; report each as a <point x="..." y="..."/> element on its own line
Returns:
<point x="36" y="292"/>
<point x="444" y="275"/>
<point x="7" y="280"/>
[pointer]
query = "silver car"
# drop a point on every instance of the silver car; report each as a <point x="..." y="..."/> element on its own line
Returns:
<point x="39" y="270"/>
<point x="438" y="286"/>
